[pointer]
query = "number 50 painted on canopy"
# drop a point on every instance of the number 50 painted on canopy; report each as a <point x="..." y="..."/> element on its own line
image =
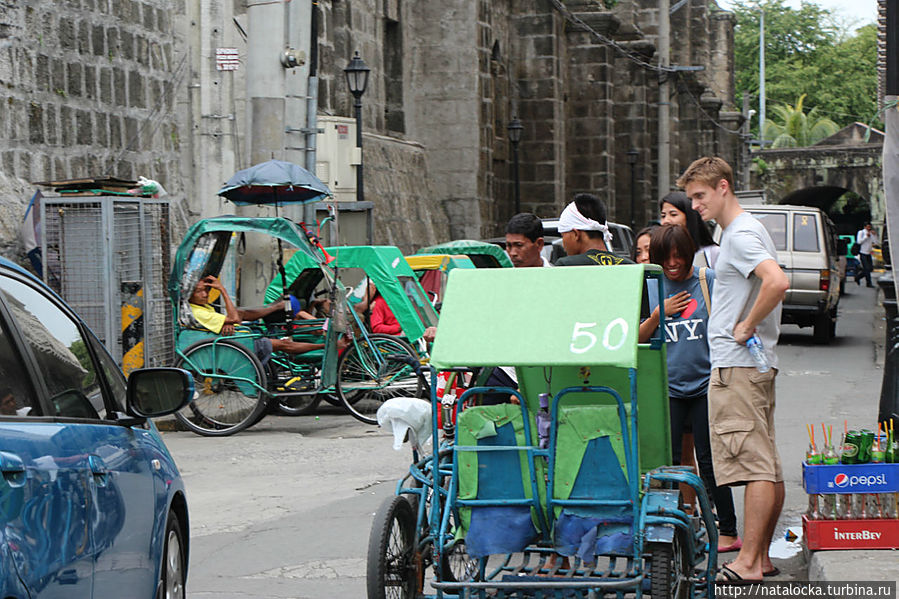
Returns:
<point x="582" y="340"/>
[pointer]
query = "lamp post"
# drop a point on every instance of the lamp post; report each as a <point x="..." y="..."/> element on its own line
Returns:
<point x="357" y="80"/>
<point x="632" y="155"/>
<point x="514" y="127"/>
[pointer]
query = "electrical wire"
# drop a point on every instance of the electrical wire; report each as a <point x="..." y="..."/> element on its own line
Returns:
<point x="157" y="115"/>
<point x="632" y="56"/>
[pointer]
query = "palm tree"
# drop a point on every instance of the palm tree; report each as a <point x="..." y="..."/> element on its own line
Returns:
<point x="795" y="128"/>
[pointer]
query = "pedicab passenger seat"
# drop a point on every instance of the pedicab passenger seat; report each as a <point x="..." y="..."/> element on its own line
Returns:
<point x="589" y="465"/>
<point x="506" y="520"/>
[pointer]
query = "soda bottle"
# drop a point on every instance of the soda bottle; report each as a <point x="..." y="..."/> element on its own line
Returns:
<point x="850" y="448"/>
<point x="829" y="457"/>
<point x="812" y="513"/>
<point x="858" y="511"/>
<point x="892" y="449"/>
<point x="843" y="507"/>
<point x="865" y="445"/>
<point x="754" y="344"/>
<point x="873" y="505"/>
<point x="813" y="456"/>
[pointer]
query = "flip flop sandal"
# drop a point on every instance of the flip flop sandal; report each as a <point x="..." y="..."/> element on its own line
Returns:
<point x="728" y="577"/>
<point x="773" y="572"/>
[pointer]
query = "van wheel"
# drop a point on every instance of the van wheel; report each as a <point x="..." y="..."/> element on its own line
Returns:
<point x="825" y="327"/>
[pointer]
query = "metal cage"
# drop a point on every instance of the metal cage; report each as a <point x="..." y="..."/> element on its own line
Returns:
<point x="109" y="258"/>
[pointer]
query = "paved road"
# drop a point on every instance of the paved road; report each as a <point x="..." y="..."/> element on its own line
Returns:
<point x="283" y="510"/>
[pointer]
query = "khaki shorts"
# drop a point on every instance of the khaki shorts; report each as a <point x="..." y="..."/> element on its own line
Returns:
<point x="741" y="426"/>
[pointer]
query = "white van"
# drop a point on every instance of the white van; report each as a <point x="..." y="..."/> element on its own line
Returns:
<point x="805" y="239"/>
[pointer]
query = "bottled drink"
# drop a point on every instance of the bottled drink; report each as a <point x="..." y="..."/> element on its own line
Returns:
<point x="812" y="513"/>
<point x="829" y="456"/>
<point x="754" y="344"/>
<point x="843" y="507"/>
<point x="828" y="503"/>
<point x="813" y="456"/>
<point x="865" y="445"/>
<point x="543" y="420"/>
<point x="892" y="455"/>
<point x="850" y="448"/>
<point x="858" y="511"/>
<point x="873" y="505"/>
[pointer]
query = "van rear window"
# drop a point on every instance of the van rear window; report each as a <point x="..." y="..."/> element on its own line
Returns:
<point x="776" y="223"/>
<point x="805" y="233"/>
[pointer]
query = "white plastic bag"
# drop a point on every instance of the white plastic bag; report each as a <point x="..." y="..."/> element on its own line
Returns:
<point x="406" y="414"/>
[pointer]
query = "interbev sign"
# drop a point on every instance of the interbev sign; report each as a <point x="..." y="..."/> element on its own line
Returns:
<point x="857" y="478"/>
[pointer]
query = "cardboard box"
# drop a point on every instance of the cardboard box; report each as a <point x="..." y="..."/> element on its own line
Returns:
<point x="850" y="534"/>
<point x="851" y="478"/>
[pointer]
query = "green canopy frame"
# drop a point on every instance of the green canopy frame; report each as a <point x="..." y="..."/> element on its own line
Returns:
<point x="483" y="254"/>
<point x="387" y="268"/>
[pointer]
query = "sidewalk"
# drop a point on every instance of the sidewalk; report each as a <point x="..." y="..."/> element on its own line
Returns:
<point x="870" y="565"/>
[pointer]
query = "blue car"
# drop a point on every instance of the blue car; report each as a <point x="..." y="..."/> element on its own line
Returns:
<point x="91" y="503"/>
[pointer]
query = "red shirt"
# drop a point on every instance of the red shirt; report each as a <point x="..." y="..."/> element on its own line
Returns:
<point x="382" y="319"/>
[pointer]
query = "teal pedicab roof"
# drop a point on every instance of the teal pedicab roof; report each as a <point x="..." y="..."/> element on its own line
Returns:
<point x="280" y="228"/>
<point x="483" y="254"/>
<point x="383" y="265"/>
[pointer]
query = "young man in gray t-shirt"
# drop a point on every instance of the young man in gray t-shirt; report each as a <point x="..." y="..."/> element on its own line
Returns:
<point x="748" y="292"/>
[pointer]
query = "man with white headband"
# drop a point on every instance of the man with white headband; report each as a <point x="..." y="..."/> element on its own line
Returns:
<point x="585" y="235"/>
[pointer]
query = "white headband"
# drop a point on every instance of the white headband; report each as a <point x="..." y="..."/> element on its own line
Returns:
<point x="572" y="219"/>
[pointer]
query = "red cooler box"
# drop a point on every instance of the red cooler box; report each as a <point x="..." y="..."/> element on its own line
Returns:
<point x="851" y="534"/>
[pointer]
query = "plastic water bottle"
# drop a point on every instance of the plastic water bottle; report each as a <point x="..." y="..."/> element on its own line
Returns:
<point x="754" y="344"/>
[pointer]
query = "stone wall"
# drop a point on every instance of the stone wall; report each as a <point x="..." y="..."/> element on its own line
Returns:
<point x="404" y="211"/>
<point x="87" y="91"/>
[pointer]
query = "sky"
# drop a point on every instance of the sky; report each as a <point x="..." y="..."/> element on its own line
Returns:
<point x="861" y="12"/>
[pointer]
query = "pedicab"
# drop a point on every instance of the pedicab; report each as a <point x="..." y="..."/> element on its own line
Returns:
<point x="567" y="493"/>
<point x="481" y="253"/>
<point x="386" y="267"/>
<point x="433" y="270"/>
<point x="235" y="381"/>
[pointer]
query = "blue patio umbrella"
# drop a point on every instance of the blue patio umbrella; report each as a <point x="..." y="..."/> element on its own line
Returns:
<point x="274" y="183"/>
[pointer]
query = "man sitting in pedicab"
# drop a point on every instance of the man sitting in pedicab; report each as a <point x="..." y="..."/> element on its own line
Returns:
<point x="224" y="324"/>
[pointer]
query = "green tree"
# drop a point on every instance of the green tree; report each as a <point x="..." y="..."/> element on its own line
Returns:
<point x="796" y="128"/>
<point x="806" y="52"/>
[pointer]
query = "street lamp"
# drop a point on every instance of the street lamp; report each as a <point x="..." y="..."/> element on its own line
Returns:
<point x="632" y="155"/>
<point x="514" y="127"/>
<point x="357" y="80"/>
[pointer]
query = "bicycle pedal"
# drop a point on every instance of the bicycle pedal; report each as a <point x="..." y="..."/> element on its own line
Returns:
<point x="297" y="383"/>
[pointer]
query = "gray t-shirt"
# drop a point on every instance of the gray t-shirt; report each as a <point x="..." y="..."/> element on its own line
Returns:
<point x="745" y="244"/>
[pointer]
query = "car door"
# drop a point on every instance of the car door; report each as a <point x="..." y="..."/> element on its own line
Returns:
<point x="45" y="486"/>
<point x="84" y="392"/>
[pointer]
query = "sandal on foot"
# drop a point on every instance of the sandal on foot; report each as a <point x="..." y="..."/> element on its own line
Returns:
<point x="728" y="577"/>
<point x="772" y="572"/>
<point x="735" y="546"/>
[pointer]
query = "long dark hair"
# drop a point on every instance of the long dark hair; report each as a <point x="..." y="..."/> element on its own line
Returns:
<point x="698" y="229"/>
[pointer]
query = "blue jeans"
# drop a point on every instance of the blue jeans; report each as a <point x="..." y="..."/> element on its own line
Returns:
<point x="867" y="265"/>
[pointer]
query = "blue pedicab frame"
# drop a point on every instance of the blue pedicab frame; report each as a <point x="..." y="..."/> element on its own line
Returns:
<point x="667" y="546"/>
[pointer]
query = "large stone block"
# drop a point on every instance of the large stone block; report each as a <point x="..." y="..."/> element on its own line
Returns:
<point x="68" y="38"/>
<point x="75" y="80"/>
<point x="85" y="126"/>
<point x="35" y="123"/>
<point x="126" y="44"/>
<point x="52" y="124"/>
<point x="98" y="40"/>
<point x="90" y="82"/>
<point x="67" y="125"/>
<point x="106" y="95"/>
<point x="58" y="76"/>
<point x="84" y="38"/>
<point x="136" y="90"/>
<point x="120" y="86"/>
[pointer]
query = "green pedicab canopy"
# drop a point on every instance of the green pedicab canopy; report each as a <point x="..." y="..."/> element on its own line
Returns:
<point x="484" y="255"/>
<point x="576" y="315"/>
<point x="387" y="268"/>
<point x="280" y="228"/>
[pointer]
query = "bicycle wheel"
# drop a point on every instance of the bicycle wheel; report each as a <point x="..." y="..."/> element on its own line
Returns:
<point x="367" y="376"/>
<point x="391" y="568"/>
<point x="227" y="382"/>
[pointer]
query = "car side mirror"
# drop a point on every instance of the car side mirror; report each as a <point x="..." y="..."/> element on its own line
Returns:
<point x="155" y="392"/>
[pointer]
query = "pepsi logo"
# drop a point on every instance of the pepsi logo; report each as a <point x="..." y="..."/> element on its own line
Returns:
<point x="841" y="480"/>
